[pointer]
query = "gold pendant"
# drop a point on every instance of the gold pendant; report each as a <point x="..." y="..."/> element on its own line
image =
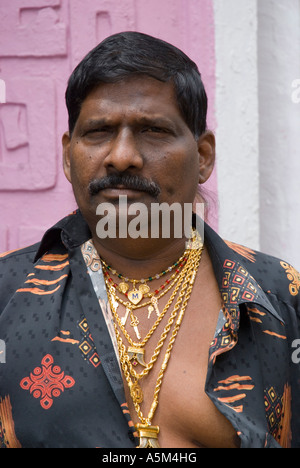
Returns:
<point x="123" y="287"/>
<point x="127" y="312"/>
<point x="144" y="288"/>
<point x="134" y="323"/>
<point x="136" y="393"/>
<point x="148" y="436"/>
<point x="137" y="354"/>
<point x="135" y="296"/>
<point x="155" y="305"/>
<point x="150" y="310"/>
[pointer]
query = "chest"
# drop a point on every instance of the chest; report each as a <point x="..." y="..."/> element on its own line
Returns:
<point x="185" y="415"/>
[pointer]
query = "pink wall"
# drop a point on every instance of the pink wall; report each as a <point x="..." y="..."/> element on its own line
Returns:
<point x="41" y="41"/>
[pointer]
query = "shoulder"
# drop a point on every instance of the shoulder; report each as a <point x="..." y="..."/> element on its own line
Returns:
<point x="274" y="275"/>
<point x="29" y="252"/>
<point x="15" y="261"/>
<point x="14" y="267"/>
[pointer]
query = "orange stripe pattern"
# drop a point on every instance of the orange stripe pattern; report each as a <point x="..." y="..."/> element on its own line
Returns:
<point x="50" y="262"/>
<point x="7" y="424"/>
<point x="232" y="384"/>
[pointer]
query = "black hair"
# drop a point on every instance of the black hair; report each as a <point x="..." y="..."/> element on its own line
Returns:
<point x="132" y="53"/>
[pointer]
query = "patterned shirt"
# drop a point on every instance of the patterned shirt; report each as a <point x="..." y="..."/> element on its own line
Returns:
<point x="60" y="379"/>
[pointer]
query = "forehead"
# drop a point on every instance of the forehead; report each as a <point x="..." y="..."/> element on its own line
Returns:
<point x="138" y="95"/>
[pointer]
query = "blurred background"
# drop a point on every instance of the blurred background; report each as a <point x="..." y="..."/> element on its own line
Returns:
<point x="248" y="52"/>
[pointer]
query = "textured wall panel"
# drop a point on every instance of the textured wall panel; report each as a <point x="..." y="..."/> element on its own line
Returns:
<point x="28" y="130"/>
<point x="91" y="21"/>
<point x="31" y="28"/>
<point x="41" y="41"/>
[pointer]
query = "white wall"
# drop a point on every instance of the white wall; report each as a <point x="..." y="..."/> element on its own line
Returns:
<point x="279" y="66"/>
<point x="258" y="124"/>
<point x="237" y="120"/>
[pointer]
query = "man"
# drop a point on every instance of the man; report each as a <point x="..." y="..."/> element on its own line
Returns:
<point x="118" y="340"/>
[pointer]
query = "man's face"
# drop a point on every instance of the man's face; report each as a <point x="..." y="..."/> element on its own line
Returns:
<point x="132" y="127"/>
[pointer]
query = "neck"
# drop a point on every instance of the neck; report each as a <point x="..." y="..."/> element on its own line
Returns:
<point x="137" y="258"/>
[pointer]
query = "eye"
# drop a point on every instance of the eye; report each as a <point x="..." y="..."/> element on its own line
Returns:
<point x="98" y="130"/>
<point x="156" y="130"/>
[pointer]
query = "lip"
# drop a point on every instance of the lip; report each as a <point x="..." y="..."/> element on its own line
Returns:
<point x="121" y="190"/>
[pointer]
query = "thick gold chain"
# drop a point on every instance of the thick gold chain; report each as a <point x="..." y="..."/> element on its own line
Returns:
<point x="129" y="372"/>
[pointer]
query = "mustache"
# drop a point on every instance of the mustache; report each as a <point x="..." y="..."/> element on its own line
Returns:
<point x="128" y="181"/>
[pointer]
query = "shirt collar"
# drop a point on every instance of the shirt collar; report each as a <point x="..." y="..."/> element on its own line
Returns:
<point x="237" y="286"/>
<point x="72" y="231"/>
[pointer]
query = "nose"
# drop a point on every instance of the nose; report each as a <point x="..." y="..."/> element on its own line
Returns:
<point x="124" y="153"/>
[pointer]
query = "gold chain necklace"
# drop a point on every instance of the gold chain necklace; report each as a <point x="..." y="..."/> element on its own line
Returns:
<point x="135" y="295"/>
<point x="129" y="310"/>
<point x="148" y="434"/>
<point x="135" y="303"/>
<point x="136" y="350"/>
<point x="138" y="376"/>
<point x="150" y="278"/>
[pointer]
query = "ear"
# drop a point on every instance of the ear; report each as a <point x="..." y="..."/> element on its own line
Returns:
<point x="207" y="153"/>
<point x="66" y="140"/>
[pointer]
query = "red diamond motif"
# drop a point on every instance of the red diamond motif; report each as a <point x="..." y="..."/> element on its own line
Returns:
<point x="47" y="382"/>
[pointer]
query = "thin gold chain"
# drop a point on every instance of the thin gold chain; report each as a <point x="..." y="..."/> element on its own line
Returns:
<point x="155" y="325"/>
<point x="172" y="280"/>
<point x="129" y="372"/>
<point x="150" y="278"/>
<point x="165" y="332"/>
<point x="163" y="337"/>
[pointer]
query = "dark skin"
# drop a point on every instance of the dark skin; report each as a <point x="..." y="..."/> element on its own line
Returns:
<point x="136" y="126"/>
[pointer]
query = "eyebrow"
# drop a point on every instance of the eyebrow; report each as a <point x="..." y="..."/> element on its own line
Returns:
<point x="96" y="122"/>
<point x="159" y="120"/>
<point x="145" y="120"/>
